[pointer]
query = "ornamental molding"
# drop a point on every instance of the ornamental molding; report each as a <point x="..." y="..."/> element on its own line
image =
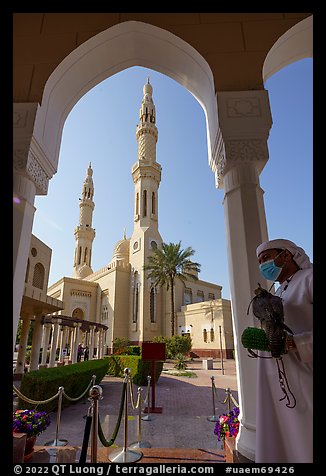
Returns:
<point x="77" y="292"/>
<point x="243" y="107"/>
<point x="246" y="150"/>
<point x="37" y="173"/>
<point x="230" y="153"/>
<point x="20" y="159"/>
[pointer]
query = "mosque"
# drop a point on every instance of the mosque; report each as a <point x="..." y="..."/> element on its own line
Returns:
<point x="119" y="300"/>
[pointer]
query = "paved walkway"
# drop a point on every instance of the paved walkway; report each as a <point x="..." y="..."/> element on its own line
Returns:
<point x="186" y="403"/>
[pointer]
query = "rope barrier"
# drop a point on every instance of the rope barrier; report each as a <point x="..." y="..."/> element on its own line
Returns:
<point x="60" y="394"/>
<point x="125" y="455"/>
<point x="147" y="400"/>
<point x="34" y="402"/>
<point x="43" y="402"/>
<point x="134" y="405"/>
<point x="101" y="436"/>
<point x="71" y="399"/>
<point x="229" y="397"/>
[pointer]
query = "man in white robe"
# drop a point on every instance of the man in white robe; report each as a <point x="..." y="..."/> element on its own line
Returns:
<point x="283" y="434"/>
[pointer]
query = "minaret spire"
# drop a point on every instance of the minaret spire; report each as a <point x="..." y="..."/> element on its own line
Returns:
<point x="84" y="233"/>
<point x="146" y="172"/>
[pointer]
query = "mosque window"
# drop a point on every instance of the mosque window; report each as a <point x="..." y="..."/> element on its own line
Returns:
<point x="27" y="271"/>
<point x="187" y="297"/>
<point x="153" y="203"/>
<point x="38" y="277"/>
<point x="200" y="296"/>
<point x="152" y="304"/>
<point x="211" y="296"/>
<point x="79" y="255"/>
<point x="33" y="252"/>
<point x="205" y="335"/>
<point x="145" y="203"/>
<point x="135" y="297"/>
<point x="212" y="335"/>
<point x="137" y="204"/>
<point x="85" y="255"/>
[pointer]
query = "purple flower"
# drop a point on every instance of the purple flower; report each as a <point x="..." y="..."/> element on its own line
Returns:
<point x="227" y="424"/>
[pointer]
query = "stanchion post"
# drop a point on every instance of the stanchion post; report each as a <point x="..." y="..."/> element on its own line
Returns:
<point x="228" y="398"/>
<point x="56" y="441"/>
<point x="148" y="416"/>
<point x="125" y="455"/>
<point x="139" y="443"/>
<point x="95" y="394"/>
<point x="214" y="417"/>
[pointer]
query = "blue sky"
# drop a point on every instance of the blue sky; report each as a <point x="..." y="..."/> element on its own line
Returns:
<point x="101" y="129"/>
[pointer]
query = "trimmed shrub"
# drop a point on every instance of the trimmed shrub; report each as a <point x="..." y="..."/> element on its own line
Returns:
<point x="44" y="383"/>
<point x="175" y="345"/>
<point x="139" y="368"/>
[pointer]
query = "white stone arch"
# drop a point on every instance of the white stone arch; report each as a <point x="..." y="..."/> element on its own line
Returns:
<point x="293" y="45"/>
<point x="122" y="46"/>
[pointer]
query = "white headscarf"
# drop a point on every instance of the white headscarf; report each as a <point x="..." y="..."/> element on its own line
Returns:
<point x="298" y="254"/>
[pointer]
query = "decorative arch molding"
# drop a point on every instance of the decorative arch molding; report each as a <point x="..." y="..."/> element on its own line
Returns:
<point x="295" y="44"/>
<point x="122" y="46"/>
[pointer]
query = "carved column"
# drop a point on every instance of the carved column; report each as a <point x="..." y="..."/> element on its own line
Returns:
<point x="45" y="343"/>
<point x="239" y="157"/>
<point x="76" y="342"/>
<point x="91" y="342"/>
<point x="63" y="342"/>
<point x="31" y="173"/>
<point x="54" y="342"/>
<point x="19" y="370"/>
<point x="36" y="343"/>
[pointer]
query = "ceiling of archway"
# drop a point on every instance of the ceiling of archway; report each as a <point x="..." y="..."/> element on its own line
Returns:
<point x="234" y="45"/>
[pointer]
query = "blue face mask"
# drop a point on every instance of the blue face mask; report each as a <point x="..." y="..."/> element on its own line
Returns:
<point x="269" y="270"/>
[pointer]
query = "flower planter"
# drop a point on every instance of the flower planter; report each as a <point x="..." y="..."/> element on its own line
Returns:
<point x="229" y="447"/>
<point x="29" y="448"/>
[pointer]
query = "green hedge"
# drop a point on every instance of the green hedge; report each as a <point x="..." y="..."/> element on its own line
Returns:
<point x="42" y="384"/>
<point x="139" y="368"/>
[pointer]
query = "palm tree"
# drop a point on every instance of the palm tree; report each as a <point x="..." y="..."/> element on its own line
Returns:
<point x="168" y="264"/>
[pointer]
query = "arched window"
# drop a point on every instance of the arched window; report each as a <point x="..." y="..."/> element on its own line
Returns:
<point x="153" y="203"/>
<point x="137" y="204"/>
<point x="79" y="255"/>
<point x="85" y="255"/>
<point x="152" y="304"/>
<point x="212" y="335"/>
<point x="38" y="277"/>
<point x="205" y="335"/>
<point x="145" y="203"/>
<point x="135" y="298"/>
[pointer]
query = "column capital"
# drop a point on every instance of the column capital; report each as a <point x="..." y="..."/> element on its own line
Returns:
<point x="244" y="124"/>
<point x="29" y="159"/>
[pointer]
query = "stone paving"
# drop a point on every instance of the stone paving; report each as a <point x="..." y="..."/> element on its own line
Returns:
<point x="186" y="403"/>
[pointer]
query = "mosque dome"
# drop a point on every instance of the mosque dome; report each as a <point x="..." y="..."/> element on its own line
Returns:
<point x="121" y="250"/>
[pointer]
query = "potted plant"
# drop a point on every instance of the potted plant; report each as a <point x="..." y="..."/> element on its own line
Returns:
<point x="227" y="424"/>
<point x="31" y="422"/>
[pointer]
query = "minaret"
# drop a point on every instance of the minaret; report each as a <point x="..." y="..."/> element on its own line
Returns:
<point x="84" y="233"/>
<point x="146" y="173"/>
<point x="145" y="309"/>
